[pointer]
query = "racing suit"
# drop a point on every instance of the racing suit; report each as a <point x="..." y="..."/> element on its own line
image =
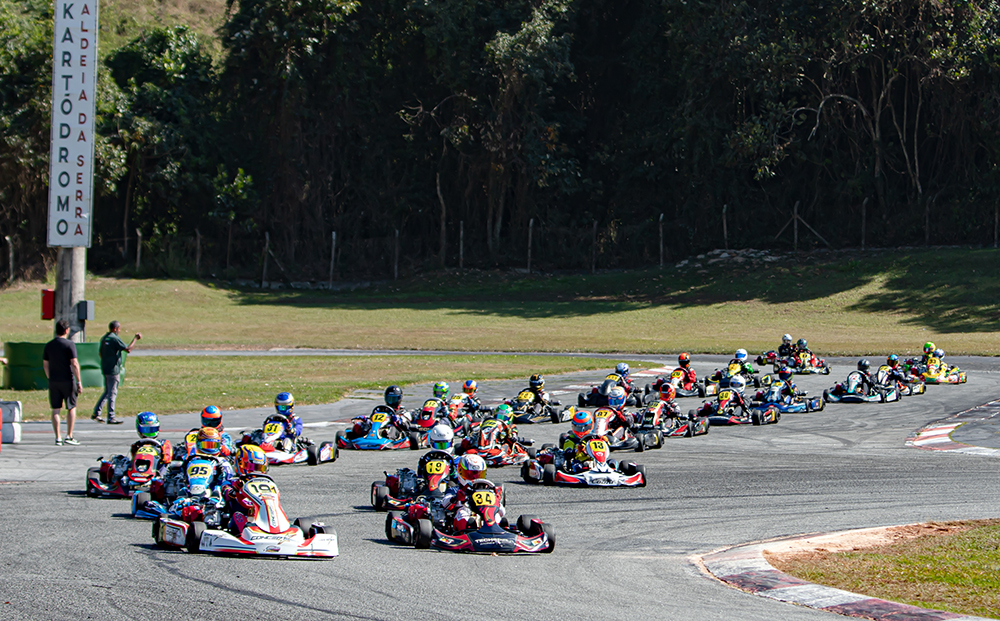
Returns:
<point x="786" y="351"/>
<point x="689" y="379"/>
<point x="293" y="425"/>
<point x="869" y="385"/>
<point x="458" y="499"/>
<point x="241" y="509"/>
<point x="166" y="450"/>
<point x="670" y="409"/>
<point x="228" y="448"/>
<point x="540" y="396"/>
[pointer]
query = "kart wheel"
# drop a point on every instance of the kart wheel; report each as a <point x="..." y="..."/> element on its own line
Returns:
<point x="551" y="534"/>
<point x="389" y="519"/>
<point x="304" y="524"/>
<point x="689" y="432"/>
<point x="193" y="541"/>
<point x="549" y="474"/>
<point x="756" y="382"/>
<point x="647" y="389"/>
<point x="341" y="438"/>
<point x="93" y="473"/>
<point x="826" y="396"/>
<point x="657" y="439"/>
<point x="423" y="534"/>
<point x="554" y="416"/>
<point x="334" y="451"/>
<point x="379" y="494"/>
<point x="414" y="441"/>
<point x="626" y="468"/>
<point x="701" y="390"/>
<point x="548" y="446"/>
<point x="525" y="525"/>
<point x="156" y="533"/>
<point x="581" y="401"/>
<point x="316" y="530"/>
<point x="640" y="443"/>
<point x="532" y="452"/>
<point x="640" y="469"/>
<point x="755" y="417"/>
<point x="524" y="473"/>
<point x="139" y="501"/>
<point x="311" y="456"/>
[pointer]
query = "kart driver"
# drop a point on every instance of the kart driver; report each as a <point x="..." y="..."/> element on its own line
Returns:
<point x="737" y="385"/>
<point x="508" y="430"/>
<point x="622" y="419"/>
<point x="251" y="462"/>
<point x="802" y="347"/>
<point x="868" y="384"/>
<point x="472" y="403"/>
<point x="895" y="370"/>
<point x="284" y="406"/>
<point x="147" y="425"/>
<point x="580" y="427"/>
<point x="209" y="445"/>
<point x="471" y="468"/>
<point x="690" y="377"/>
<point x="670" y="407"/>
<point x="211" y="416"/>
<point x="786" y="349"/>
<point x="928" y="353"/>
<point x="536" y="386"/>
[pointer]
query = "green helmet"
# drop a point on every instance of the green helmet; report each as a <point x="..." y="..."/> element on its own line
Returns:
<point x="503" y="413"/>
<point x="928" y="347"/>
<point x="441" y="390"/>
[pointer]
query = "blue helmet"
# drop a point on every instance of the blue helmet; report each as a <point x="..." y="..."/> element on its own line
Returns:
<point x="147" y="424"/>
<point x="284" y="402"/>
<point x="616" y="398"/>
<point x="622" y="369"/>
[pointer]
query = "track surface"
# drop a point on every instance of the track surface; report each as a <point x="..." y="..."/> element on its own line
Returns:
<point x="620" y="553"/>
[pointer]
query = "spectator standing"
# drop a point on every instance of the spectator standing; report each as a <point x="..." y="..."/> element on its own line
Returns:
<point x="62" y="367"/>
<point x="111" y="350"/>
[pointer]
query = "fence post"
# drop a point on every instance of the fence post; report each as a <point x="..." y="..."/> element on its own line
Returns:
<point x="10" y="255"/>
<point x="333" y="253"/>
<point x="531" y="226"/>
<point x="795" y="225"/>
<point x="593" y="249"/>
<point x="996" y="225"/>
<point x="197" y="252"/>
<point x="725" y="227"/>
<point x="138" y="249"/>
<point x="661" y="240"/>
<point x="864" y="221"/>
<point x="395" y="261"/>
<point x="267" y="249"/>
<point x="461" y="244"/>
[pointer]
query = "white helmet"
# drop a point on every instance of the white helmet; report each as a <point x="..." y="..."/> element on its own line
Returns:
<point x="737" y="383"/>
<point x="440" y="437"/>
<point x="470" y="468"/>
<point x="741" y="354"/>
<point x="622" y="369"/>
<point x="787" y="339"/>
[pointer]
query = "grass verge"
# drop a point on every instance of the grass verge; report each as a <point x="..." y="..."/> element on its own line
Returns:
<point x="168" y="385"/>
<point x="951" y="566"/>
<point x="847" y="303"/>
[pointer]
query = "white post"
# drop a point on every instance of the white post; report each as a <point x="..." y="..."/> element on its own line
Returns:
<point x="10" y="265"/>
<point x="138" y="249"/>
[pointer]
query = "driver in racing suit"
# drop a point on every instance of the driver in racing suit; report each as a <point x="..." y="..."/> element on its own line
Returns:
<point x="622" y="419"/>
<point x="208" y="446"/>
<point x="471" y="468"/>
<point x="670" y="407"/>
<point x="147" y="425"/>
<point x="251" y="462"/>
<point x="211" y="416"/>
<point x="536" y="386"/>
<point x="868" y="384"/>
<point x="284" y="406"/>
<point x="690" y="378"/>
<point x="737" y="385"/>
<point x="786" y="349"/>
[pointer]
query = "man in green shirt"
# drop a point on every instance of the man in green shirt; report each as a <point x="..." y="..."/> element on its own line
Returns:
<point x="111" y="350"/>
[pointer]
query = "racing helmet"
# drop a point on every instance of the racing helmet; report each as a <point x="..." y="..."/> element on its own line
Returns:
<point x="441" y="390"/>
<point x="250" y="459"/>
<point x="802" y="344"/>
<point x="616" y="398"/>
<point x="667" y="392"/>
<point x="147" y="425"/>
<point x="393" y="396"/>
<point x="622" y="369"/>
<point x="582" y="423"/>
<point x="284" y="403"/>
<point x="892" y="360"/>
<point x="864" y="365"/>
<point x="536" y="381"/>
<point x="684" y="359"/>
<point x="786" y="339"/>
<point x="939" y="353"/>
<point x="470" y="387"/>
<point x="737" y="383"/>
<point x="470" y="468"/>
<point x="440" y="437"/>
<point x="208" y="442"/>
<point x="503" y="413"/>
<point x="211" y="416"/>
<point x="785" y="374"/>
<point x="928" y="347"/>
<point x="741" y="354"/>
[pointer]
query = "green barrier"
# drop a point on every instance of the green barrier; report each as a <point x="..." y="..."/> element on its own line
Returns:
<point x="24" y="366"/>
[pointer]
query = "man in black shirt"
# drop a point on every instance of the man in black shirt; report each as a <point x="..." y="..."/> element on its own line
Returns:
<point x="62" y="368"/>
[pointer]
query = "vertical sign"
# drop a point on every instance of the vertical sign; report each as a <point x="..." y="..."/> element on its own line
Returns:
<point x="71" y="155"/>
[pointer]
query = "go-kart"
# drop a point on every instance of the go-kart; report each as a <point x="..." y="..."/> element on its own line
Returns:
<point x="786" y="404"/>
<point x="652" y="391"/>
<point x="195" y="482"/>
<point x="376" y="432"/>
<point x="431" y="478"/>
<point x="121" y="476"/>
<point x="528" y="410"/>
<point x="937" y="371"/>
<point x="462" y="417"/>
<point x="281" y="450"/>
<point x="725" y="410"/>
<point x="598" y="395"/>
<point x="657" y="422"/>
<point x="720" y="379"/>
<point x="552" y="467"/>
<point x="489" y="441"/>
<point x="853" y="390"/>
<point x="620" y="439"/>
<point x="802" y="363"/>
<point x="912" y="385"/>
<point x="268" y="531"/>
<point x="419" y="528"/>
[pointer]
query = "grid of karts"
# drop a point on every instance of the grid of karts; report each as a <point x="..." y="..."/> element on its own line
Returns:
<point x="186" y="498"/>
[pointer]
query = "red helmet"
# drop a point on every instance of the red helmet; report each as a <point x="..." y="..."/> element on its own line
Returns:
<point x="684" y="359"/>
<point x="667" y="392"/>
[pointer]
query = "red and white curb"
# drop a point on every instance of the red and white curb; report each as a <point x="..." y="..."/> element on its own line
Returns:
<point x="936" y="436"/>
<point x="744" y="567"/>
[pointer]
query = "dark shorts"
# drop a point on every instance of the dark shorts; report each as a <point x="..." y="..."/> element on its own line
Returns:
<point x="62" y="391"/>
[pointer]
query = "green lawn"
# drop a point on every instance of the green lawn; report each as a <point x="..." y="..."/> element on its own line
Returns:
<point x="843" y="303"/>
<point x="169" y="384"/>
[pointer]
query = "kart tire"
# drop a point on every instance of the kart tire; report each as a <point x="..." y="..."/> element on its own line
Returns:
<point x="532" y="452"/>
<point x="551" y="534"/>
<point x="304" y="524"/>
<point x="756" y="382"/>
<point x="755" y="417"/>
<point x="581" y="401"/>
<point x="141" y="498"/>
<point x="379" y="494"/>
<point x="93" y="473"/>
<point x="312" y="457"/>
<point x="689" y="432"/>
<point x="549" y="474"/>
<point x="554" y="416"/>
<point x="414" y="441"/>
<point x="336" y="451"/>
<point x="640" y="469"/>
<point x="647" y="389"/>
<point x="342" y="438"/>
<point x="524" y="473"/>
<point x="156" y="533"/>
<point x="702" y="391"/>
<point x="640" y="443"/>
<point x="525" y="526"/>
<point x="193" y="540"/>
<point x="626" y="468"/>
<point x="423" y="534"/>
<point x="389" y="519"/>
<point x="548" y="446"/>
<point x="316" y="530"/>
<point x="657" y="439"/>
<point x="826" y="396"/>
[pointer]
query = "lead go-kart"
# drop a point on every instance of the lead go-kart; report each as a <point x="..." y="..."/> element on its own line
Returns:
<point x="725" y="410"/>
<point x="529" y="410"/>
<point x="658" y="421"/>
<point x="279" y="450"/>
<point x="786" y="404"/>
<point x="552" y="467"/>
<point x="376" y="432"/>
<point x="652" y="391"/>
<point x="431" y="478"/>
<point x="936" y="371"/>
<point x="853" y="389"/>
<point x="268" y="532"/>
<point x="121" y="476"/>
<point x="802" y="363"/>
<point x="421" y="527"/>
<point x="720" y="379"/>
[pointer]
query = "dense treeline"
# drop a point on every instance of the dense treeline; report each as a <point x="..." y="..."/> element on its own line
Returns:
<point x="368" y="118"/>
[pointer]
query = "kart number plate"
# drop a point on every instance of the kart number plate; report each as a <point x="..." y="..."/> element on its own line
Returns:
<point x="613" y="376"/>
<point x="379" y="417"/>
<point x="146" y="450"/>
<point x="484" y="498"/>
<point x="260" y="488"/>
<point x="526" y="395"/>
<point x="725" y="395"/>
<point x="436" y="467"/>
<point x="677" y="374"/>
<point x="598" y="446"/>
<point x="488" y="424"/>
<point x="272" y="428"/>
<point x="198" y="470"/>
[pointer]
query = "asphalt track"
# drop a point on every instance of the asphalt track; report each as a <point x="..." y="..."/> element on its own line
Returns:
<point x="621" y="553"/>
